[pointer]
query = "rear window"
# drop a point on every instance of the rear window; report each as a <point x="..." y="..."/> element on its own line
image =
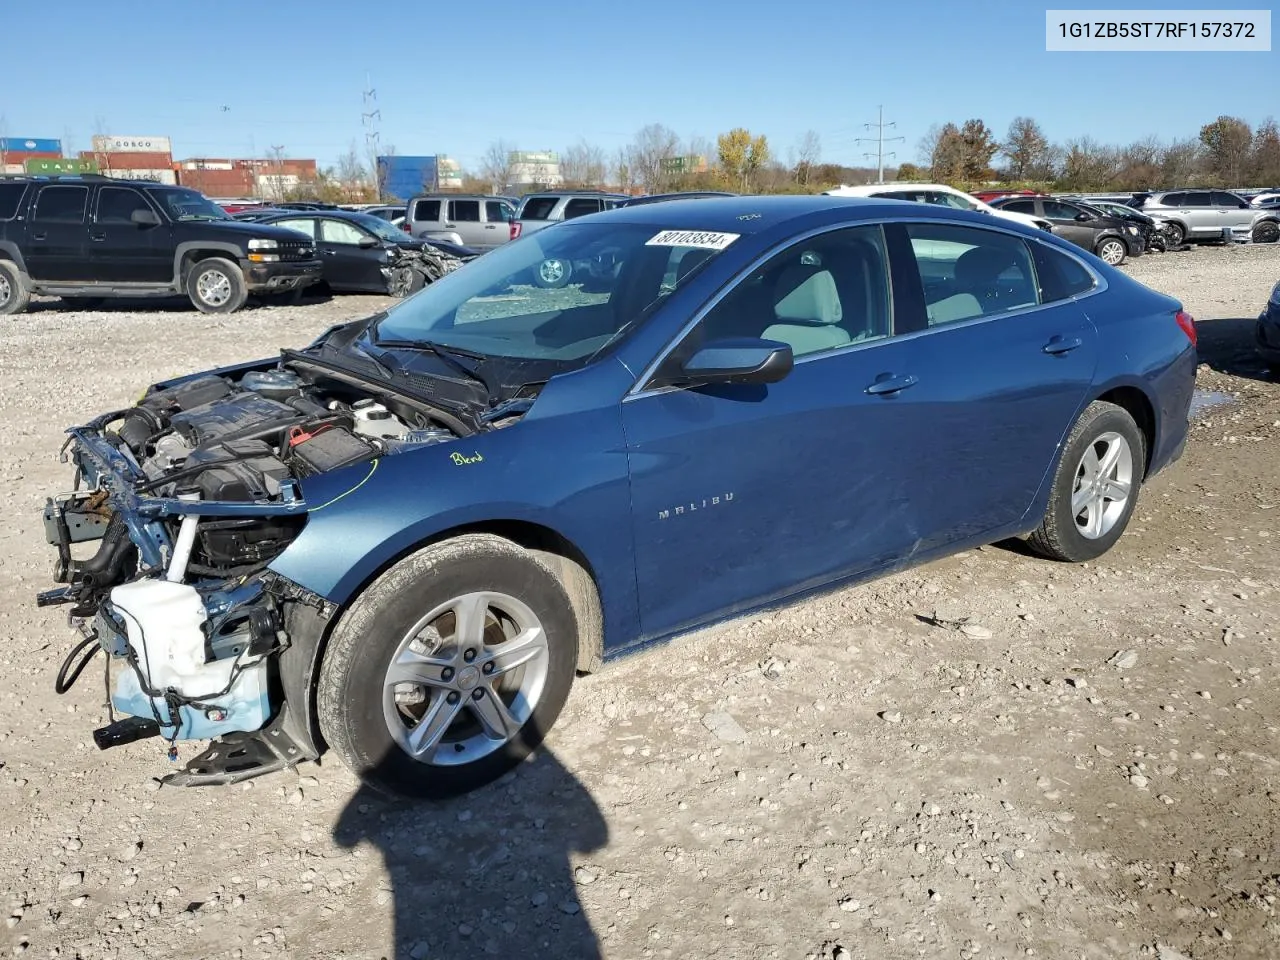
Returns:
<point x="427" y="210"/>
<point x="538" y="208"/>
<point x="10" y="197"/>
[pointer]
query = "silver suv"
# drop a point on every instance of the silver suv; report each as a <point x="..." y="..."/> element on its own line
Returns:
<point x="472" y="220"/>
<point x="539" y="210"/>
<point x="1204" y="215"/>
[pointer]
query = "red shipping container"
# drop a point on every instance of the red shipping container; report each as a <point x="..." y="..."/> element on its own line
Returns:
<point x="22" y="156"/>
<point x="131" y="161"/>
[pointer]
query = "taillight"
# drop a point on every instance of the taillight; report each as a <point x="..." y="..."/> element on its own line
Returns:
<point x="1188" y="325"/>
<point x="406" y="228"/>
<point x="516" y="227"/>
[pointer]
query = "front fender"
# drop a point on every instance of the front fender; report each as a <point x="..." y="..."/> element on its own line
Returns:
<point x="567" y="474"/>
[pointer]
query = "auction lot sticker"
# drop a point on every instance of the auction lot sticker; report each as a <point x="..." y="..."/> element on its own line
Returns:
<point x="1130" y="31"/>
<point x="701" y="239"/>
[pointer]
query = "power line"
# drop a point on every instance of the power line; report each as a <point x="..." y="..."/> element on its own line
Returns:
<point x="879" y="139"/>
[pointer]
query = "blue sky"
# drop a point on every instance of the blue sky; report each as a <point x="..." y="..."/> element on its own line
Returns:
<point x="453" y="77"/>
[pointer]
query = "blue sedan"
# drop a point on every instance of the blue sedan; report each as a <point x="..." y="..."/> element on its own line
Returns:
<point x="404" y="540"/>
<point x="1267" y="331"/>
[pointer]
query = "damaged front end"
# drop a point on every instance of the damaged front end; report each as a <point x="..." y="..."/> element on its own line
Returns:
<point x="189" y="495"/>
<point x="409" y="269"/>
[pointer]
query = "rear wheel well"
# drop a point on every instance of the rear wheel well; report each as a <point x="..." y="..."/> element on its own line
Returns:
<point x="1138" y="406"/>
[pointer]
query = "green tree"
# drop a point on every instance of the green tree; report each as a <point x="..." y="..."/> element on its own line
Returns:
<point x="946" y="160"/>
<point x="909" y="171"/>
<point x="979" y="147"/>
<point x="741" y="155"/>
<point x="1228" y="142"/>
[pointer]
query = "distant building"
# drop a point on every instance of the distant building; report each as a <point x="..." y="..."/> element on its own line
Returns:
<point x="535" y="168"/>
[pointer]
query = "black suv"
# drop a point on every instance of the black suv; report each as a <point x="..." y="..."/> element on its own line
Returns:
<point x="1109" y="237"/>
<point x="90" y="237"/>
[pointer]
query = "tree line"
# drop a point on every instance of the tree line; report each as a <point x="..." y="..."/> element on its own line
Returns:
<point x="1227" y="153"/>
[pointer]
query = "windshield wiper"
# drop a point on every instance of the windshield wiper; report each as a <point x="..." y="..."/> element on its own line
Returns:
<point x="444" y="353"/>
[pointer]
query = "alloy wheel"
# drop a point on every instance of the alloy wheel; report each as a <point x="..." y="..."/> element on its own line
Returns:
<point x="465" y="679"/>
<point x="551" y="271"/>
<point x="1112" y="252"/>
<point x="214" y="287"/>
<point x="1103" y="485"/>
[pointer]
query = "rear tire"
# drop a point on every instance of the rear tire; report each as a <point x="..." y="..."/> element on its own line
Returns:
<point x="216" y="285"/>
<point x="14" y="295"/>
<point x="419" y="620"/>
<point x="553" y="273"/>
<point x="1104" y="458"/>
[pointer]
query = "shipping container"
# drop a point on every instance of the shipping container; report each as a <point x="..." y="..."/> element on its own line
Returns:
<point x="222" y="183"/>
<point x="61" y="166"/>
<point x="22" y="156"/>
<point x="403" y="177"/>
<point x="207" y="164"/>
<point x="12" y="168"/>
<point x="158" y="176"/>
<point x="117" y="144"/>
<point x="130" y="161"/>
<point x="30" y="145"/>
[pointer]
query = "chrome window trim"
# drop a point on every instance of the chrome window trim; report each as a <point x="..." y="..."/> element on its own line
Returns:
<point x="638" y="389"/>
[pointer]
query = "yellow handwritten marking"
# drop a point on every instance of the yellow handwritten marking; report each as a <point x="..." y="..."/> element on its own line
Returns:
<point x="462" y="460"/>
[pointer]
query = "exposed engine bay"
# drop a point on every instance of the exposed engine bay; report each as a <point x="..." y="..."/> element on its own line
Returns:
<point x="190" y="494"/>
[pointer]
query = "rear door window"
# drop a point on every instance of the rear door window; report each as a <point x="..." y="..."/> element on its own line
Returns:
<point x="427" y="211"/>
<point x="62" y="204"/>
<point x="10" y="198"/>
<point x="969" y="273"/>
<point x="1019" y="206"/>
<point x="464" y="211"/>
<point x="580" y="207"/>
<point x="1196" y="198"/>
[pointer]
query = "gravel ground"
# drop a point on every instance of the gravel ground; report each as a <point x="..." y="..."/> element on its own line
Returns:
<point x="1088" y="770"/>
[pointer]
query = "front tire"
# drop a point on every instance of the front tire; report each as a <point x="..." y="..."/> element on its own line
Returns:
<point x="1266" y="232"/>
<point x="1112" y="251"/>
<point x="1174" y="234"/>
<point x="449" y="669"/>
<point x="216" y="285"/>
<point x="14" y="295"/>
<point x="1095" y="487"/>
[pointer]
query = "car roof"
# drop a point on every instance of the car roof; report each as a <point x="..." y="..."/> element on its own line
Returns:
<point x="743" y="215"/>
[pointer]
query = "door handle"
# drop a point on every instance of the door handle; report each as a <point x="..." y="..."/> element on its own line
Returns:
<point x="1059" y="345"/>
<point x="490" y="226"/>
<point x="450" y="225"/>
<point x="887" y="384"/>
<point x="98" y="237"/>
<point x="39" y="236"/>
<point x="330" y="253"/>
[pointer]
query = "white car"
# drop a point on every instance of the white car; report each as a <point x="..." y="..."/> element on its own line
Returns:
<point x="1265" y="200"/>
<point x="937" y="193"/>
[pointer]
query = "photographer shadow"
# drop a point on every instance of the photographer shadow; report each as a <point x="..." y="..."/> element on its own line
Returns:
<point x="489" y="873"/>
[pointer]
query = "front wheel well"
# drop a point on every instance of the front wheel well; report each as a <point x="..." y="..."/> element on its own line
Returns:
<point x="1137" y="405"/>
<point x="192" y="257"/>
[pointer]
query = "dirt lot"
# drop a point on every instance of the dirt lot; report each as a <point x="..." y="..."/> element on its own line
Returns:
<point x="1093" y="773"/>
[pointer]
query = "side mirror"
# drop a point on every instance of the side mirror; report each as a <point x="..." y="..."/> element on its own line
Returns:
<point x="739" y="360"/>
<point x="368" y="243"/>
<point x="1084" y="217"/>
<point x="145" y="218"/>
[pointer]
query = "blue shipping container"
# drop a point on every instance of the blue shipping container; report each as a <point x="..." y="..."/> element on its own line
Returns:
<point x="30" y="145"/>
<point x="403" y="177"/>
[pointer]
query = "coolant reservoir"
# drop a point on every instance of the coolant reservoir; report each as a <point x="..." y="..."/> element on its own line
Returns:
<point x="372" y="419"/>
<point x="163" y="620"/>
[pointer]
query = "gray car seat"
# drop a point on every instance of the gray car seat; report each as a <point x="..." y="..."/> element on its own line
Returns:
<point x="807" y="311"/>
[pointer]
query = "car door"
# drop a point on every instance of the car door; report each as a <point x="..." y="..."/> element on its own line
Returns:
<point x="1200" y="216"/>
<point x="1233" y="212"/>
<point x="1064" y="217"/>
<point x="347" y="265"/>
<point x="746" y="493"/>
<point x="497" y="222"/>
<point x="1002" y="363"/>
<point x="463" y="218"/>
<point x="57" y="236"/>
<point x="122" y="251"/>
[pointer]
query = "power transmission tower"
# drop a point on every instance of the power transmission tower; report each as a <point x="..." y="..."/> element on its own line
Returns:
<point x="369" y="119"/>
<point x="880" y="140"/>
<point x="277" y="154"/>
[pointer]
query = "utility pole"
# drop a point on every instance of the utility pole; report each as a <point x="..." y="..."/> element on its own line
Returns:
<point x="879" y="139"/>
<point x="277" y="153"/>
<point x="372" y="112"/>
